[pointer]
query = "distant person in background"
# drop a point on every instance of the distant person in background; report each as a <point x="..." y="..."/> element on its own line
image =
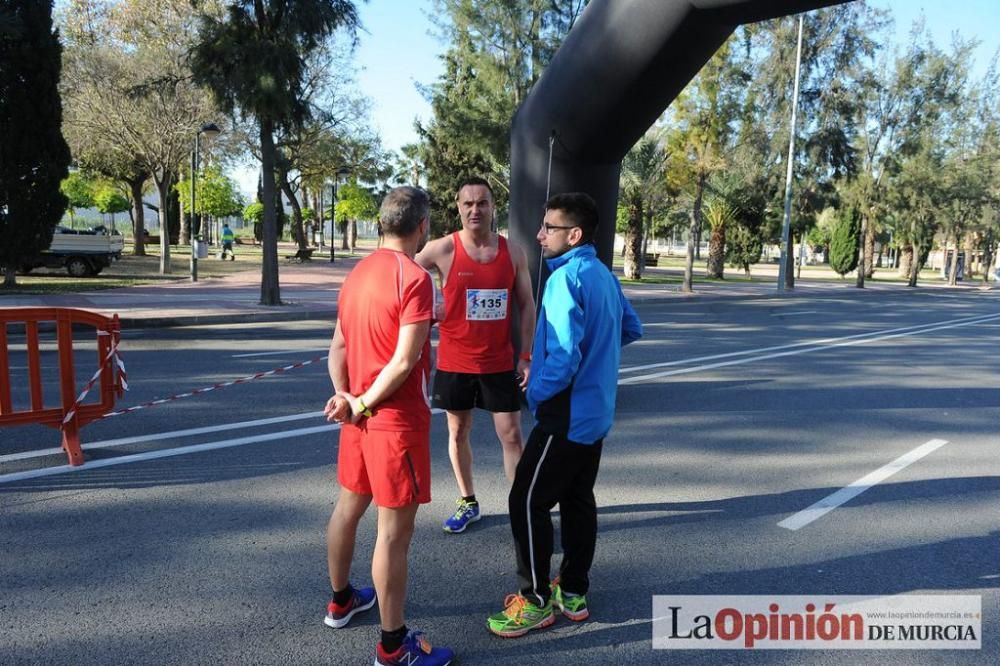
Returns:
<point x="227" y="242"/>
<point x="584" y="321"/>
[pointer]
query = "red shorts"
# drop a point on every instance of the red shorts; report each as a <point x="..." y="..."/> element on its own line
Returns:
<point x="393" y="467"/>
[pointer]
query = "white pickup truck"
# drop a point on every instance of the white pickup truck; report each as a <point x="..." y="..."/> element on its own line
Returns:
<point x="82" y="253"/>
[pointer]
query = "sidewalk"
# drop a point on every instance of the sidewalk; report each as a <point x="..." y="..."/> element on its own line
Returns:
<point x="310" y="290"/>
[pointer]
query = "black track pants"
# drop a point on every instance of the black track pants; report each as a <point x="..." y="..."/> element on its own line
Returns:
<point x="554" y="470"/>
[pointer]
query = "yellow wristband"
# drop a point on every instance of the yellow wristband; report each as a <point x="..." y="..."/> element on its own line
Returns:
<point x="365" y="411"/>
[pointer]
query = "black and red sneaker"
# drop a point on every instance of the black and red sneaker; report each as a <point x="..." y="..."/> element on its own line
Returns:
<point x="361" y="600"/>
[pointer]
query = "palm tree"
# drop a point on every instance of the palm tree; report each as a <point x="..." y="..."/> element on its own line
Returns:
<point x="643" y="187"/>
<point x="254" y="59"/>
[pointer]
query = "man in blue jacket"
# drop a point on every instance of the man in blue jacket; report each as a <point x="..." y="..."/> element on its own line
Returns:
<point x="583" y="323"/>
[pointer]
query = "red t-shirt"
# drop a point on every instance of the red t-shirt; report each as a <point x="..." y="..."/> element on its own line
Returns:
<point x="475" y="334"/>
<point x="384" y="292"/>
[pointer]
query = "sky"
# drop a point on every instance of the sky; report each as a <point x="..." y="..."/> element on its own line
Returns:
<point x="399" y="49"/>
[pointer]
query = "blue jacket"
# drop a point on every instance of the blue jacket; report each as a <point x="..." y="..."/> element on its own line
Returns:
<point x="584" y="321"/>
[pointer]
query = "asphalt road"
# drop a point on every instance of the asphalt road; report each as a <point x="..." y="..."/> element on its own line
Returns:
<point x="734" y="415"/>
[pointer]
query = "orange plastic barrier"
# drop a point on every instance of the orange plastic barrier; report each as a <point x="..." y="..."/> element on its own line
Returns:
<point x="68" y="417"/>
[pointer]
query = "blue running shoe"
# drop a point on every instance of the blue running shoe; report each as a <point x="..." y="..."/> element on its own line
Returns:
<point x="339" y="616"/>
<point x="465" y="514"/>
<point x="415" y="651"/>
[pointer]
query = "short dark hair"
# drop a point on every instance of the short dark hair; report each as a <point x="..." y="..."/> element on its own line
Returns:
<point x="474" y="180"/>
<point x="402" y="210"/>
<point x="581" y="210"/>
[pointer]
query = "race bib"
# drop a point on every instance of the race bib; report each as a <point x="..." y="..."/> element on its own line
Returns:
<point x="485" y="304"/>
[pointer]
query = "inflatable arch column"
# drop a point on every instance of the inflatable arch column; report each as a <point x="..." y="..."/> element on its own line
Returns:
<point x="621" y="65"/>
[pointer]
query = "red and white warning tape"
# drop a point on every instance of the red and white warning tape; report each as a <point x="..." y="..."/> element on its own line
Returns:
<point x="112" y="355"/>
<point x="241" y="380"/>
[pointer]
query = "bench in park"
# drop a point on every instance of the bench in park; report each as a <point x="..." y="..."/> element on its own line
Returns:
<point x="301" y="255"/>
<point x="651" y="259"/>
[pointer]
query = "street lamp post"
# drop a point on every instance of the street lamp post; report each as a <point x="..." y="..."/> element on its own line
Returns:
<point x="210" y="130"/>
<point x="322" y="223"/>
<point x="342" y="174"/>
<point x="785" y="277"/>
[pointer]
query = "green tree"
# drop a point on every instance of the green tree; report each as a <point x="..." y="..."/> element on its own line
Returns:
<point x="79" y="192"/>
<point x="86" y="33"/>
<point x="701" y="122"/>
<point x="132" y="107"/>
<point x="844" y="242"/>
<point x="353" y="203"/>
<point x="109" y="200"/>
<point x="216" y="194"/>
<point x="743" y="247"/>
<point x="643" y="190"/>
<point x="253" y="214"/>
<point x="721" y="216"/>
<point x="836" y="42"/>
<point x="254" y="58"/>
<point x="496" y="51"/>
<point x="34" y="157"/>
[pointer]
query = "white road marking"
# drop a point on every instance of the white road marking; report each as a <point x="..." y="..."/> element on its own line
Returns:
<point x="847" y="493"/>
<point x="163" y="453"/>
<point x="847" y="341"/>
<point x="109" y="443"/>
<point x="791" y="349"/>
<point x="285" y="352"/>
<point x="746" y="352"/>
<point x="179" y="451"/>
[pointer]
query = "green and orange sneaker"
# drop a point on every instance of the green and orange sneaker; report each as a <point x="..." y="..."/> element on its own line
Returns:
<point x="573" y="606"/>
<point x="520" y="616"/>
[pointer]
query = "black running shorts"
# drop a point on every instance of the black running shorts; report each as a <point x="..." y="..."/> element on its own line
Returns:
<point x="458" y="391"/>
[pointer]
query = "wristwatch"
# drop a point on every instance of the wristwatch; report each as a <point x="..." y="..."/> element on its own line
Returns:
<point x="365" y="411"/>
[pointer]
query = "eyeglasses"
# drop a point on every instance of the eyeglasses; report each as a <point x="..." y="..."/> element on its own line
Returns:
<point x="549" y="228"/>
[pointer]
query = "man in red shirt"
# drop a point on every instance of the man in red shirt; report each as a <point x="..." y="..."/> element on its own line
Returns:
<point x="380" y="364"/>
<point x="484" y="278"/>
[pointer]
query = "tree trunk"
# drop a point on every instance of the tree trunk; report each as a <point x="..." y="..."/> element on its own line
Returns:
<point x="632" y="267"/>
<point x="971" y="257"/>
<point x="297" y="233"/>
<point x="687" y="284"/>
<point x="953" y="268"/>
<point x="863" y="250"/>
<point x="988" y="255"/>
<point x="270" y="291"/>
<point x="717" y="252"/>
<point x="163" y="188"/>
<point x="914" y="264"/>
<point x="344" y="241"/>
<point x="354" y="235"/>
<point x="905" y="259"/>
<point x="138" y="217"/>
<point x="9" y="277"/>
<point x="870" y="250"/>
<point x="697" y="240"/>
<point x="647" y="228"/>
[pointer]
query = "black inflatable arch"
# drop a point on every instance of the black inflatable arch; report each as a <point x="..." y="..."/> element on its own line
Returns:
<point x="621" y="65"/>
